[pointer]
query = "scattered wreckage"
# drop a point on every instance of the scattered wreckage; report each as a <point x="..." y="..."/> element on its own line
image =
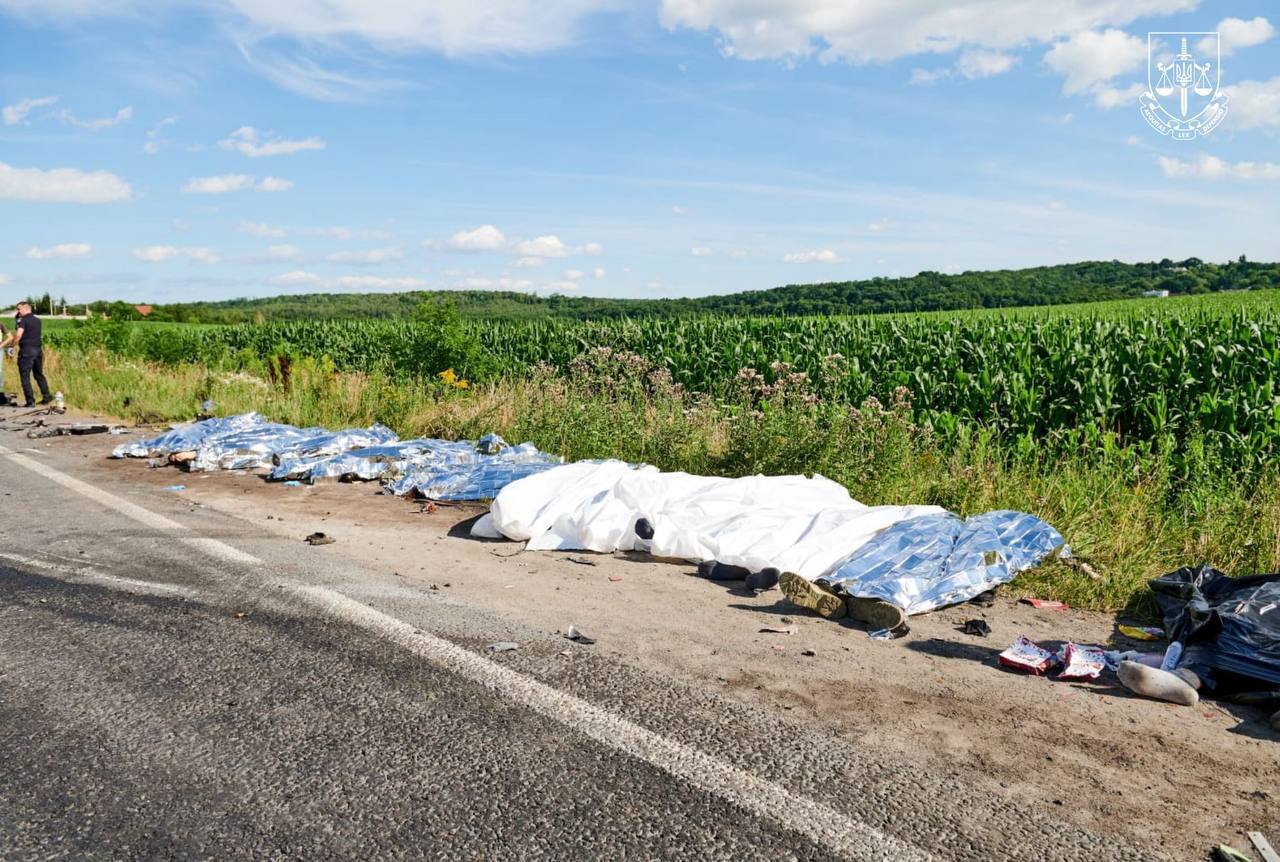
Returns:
<point x="826" y="551"/>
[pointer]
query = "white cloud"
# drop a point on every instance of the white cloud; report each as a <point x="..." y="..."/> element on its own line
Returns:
<point x="154" y="141"/>
<point x="120" y="116"/>
<point x="261" y="229"/>
<point x="283" y="252"/>
<point x="19" y="110"/>
<point x="225" y="183"/>
<point x="298" y="278"/>
<point x="218" y="185"/>
<point x="163" y="253"/>
<point x="701" y="251"/>
<point x="679" y="210"/>
<point x="573" y="274"/>
<point x="1056" y="206"/>
<point x="292" y="279"/>
<point x="451" y="28"/>
<point x="560" y="286"/>
<point x="247" y="141"/>
<point x="598" y="272"/>
<point x="201" y="255"/>
<point x="1213" y="168"/>
<point x="371" y="256"/>
<point x="825" y="255"/>
<point x="868" y="30"/>
<point x="484" y="238"/>
<point x="63" y="250"/>
<point x="543" y="246"/>
<point x="377" y="282"/>
<point x="1090" y="61"/>
<point x="977" y="63"/>
<point x="274" y="184"/>
<point x="1254" y="104"/>
<point x="157" y="253"/>
<point x="529" y="262"/>
<point x="4" y="279"/>
<point x="1109" y="97"/>
<point x="1236" y="33"/>
<point x="61" y="185"/>
<point x="344" y="233"/>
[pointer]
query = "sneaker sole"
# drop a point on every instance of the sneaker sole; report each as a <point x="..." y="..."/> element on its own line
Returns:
<point x="876" y="614"/>
<point x="806" y="594"/>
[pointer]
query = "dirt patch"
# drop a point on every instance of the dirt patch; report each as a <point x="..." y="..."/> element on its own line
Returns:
<point x="1176" y="777"/>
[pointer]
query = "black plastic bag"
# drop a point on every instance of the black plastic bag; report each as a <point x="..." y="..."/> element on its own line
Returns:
<point x="1231" y="624"/>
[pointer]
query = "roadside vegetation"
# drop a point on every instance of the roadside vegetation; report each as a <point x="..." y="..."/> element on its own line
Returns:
<point x="1147" y="438"/>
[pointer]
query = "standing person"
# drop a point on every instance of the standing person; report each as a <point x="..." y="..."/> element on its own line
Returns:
<point x="5" y="339"/>
<point x="30" y="355"/>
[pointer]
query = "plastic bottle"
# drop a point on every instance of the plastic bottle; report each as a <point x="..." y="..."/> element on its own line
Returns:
<point x="1172" y="656"/>
<point x="59" y="402"/>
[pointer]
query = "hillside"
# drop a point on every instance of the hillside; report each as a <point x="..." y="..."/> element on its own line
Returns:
<point x="1089" y="281"/>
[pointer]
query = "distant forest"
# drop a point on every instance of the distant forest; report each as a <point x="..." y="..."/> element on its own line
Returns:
<point x="927" y="291"/>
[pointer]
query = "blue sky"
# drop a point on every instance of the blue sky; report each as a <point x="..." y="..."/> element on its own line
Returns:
<point x="217" y="148"/>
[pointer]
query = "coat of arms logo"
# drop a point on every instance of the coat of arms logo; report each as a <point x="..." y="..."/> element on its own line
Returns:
<point x="1184" y="74"/>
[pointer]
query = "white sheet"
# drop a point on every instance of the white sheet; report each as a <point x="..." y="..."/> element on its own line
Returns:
<point x="791" y="523"/>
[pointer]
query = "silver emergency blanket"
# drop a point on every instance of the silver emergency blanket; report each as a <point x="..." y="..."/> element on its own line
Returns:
<point x="439" y="469"/>
<point x="917" y="557"/>
<point x="933" y="561"/>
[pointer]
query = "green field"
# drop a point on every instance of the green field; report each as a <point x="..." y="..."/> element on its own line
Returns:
<point x="1146" y="431"/>
<point x="1157" y="374"/>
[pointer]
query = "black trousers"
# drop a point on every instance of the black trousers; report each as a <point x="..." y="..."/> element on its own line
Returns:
<point x="33" y="365"/>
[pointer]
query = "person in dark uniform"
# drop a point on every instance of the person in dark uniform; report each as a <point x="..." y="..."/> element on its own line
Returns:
<point x="30" y="355"/>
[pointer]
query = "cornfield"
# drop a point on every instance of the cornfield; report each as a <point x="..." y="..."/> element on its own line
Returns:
<point x="1164" y="375"/>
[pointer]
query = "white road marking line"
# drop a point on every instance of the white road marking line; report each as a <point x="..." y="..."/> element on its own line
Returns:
<point x="111" y="501"/>
<point x="88" y="574"/>
<point x="818" y="822"/>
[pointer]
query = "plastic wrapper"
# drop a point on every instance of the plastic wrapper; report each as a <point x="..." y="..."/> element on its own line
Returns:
<point x="1082" y="662"/>
<point x="1025" y="654"/>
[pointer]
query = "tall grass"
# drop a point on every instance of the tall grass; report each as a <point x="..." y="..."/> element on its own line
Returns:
<point x="1127" y="511"/>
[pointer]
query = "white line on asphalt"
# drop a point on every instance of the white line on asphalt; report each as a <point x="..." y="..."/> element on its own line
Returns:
<point x="816" y="821"/>
<point x="91" y="575"/>
<point x="111" y="501"/>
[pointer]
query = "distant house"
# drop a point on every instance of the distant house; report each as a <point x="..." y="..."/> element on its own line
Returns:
<point x="145" y="310"/>
<point x="1156" y="294"/>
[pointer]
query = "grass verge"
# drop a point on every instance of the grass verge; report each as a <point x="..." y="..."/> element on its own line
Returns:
<point x="1124" y="513"/>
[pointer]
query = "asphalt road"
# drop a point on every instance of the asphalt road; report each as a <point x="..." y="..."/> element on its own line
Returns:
<point x="175" y="683"/>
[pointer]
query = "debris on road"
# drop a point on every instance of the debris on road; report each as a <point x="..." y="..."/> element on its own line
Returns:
<point x="808" y="652"/>
<point x="984" y="599"/>
<point x="576" y="636"/>
<point x="615" y="578"/>
<point x="319" y="539"/>
<point x="1142" y="633"/>
<point x="1263" y="846"/>
<point x="504" y="646"/>
<point x="778" y="630"/>
<point x="581" y="561"/>
<point x="1082" y="662"/>
<point x="1227" y="853"/>
<point x="977" y="628"/>
<point x="176" y="489"/>
<point x="1045" y="604"/>
<point x="1024" y="654"/>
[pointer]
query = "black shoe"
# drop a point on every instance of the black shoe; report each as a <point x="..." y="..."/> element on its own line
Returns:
<point x="29" y="404"/>
<point x="765" y="579"/>
<point x="46" y="401"/>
